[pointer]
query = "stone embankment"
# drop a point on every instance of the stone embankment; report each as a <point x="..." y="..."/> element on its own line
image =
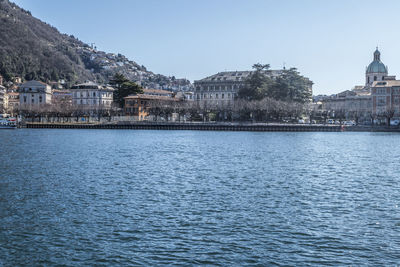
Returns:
<point x="194" y="126"/>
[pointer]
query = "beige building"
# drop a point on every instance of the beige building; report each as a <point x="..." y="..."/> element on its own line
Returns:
<point x="386" y="98"/>
<point x="34" y="94"/>
<point x="223" y="87"/>
<point x="355" y="100"/>
<point x="375" y="97"/>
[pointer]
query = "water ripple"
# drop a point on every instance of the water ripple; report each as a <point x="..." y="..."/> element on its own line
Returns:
<point x="99" y="197"/>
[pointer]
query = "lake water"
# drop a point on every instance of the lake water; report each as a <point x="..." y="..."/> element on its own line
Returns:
<point x="124" y="197"/>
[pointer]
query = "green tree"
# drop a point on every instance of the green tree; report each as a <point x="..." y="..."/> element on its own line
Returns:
<point x="291" y="86"/>
<point x="118" y="80"/>
<point x="257" y="84"/>
<point x="124" y="88"/>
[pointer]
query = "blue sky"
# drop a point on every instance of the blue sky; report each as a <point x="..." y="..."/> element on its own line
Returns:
<point x="331" y="42"/>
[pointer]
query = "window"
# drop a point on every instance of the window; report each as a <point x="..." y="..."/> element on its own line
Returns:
<point x="24" y="99"/>
<point x="216" y="96"/>
<point x="375" y="78"/>
<point x="222" y="96"/>
<point x="40" y="99"/>
<point x="94" y="93"/>
<point x="33" y="100"/>
<point x="368" y="79"/>
<point x="381" y="101"/>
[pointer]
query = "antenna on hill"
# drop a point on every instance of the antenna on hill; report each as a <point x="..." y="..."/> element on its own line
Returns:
<point x="284" y="65"/>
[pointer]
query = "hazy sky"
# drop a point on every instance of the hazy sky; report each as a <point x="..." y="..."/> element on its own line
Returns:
<point x="331" y="42"/>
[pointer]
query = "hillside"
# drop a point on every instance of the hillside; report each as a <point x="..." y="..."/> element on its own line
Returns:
<point x="33" y="49"/>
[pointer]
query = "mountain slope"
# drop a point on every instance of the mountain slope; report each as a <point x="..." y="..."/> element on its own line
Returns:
<point x="33" y="49"/>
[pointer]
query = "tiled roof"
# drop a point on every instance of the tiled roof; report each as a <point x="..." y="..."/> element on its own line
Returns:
<point x="235" y="76"/>
<point x="151" y="97"/>
<point x="156" y="91"/>
<point x="33" y="84"/>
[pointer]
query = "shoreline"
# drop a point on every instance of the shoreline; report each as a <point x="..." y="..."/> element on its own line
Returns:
<point x="213" y="126"/>
<point x="254" y="127"/>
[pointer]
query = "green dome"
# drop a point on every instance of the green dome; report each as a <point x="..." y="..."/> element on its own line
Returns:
<point x="376" y="67"/>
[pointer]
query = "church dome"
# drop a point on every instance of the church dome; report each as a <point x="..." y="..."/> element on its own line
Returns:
<point x="377" y="66"/>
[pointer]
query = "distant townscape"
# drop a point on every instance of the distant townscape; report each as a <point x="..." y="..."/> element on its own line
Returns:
<point x="375" y="102"/>
<point x="49" y="76"/>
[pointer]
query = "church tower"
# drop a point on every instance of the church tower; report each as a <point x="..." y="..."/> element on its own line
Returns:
<point x="376" y="70"/>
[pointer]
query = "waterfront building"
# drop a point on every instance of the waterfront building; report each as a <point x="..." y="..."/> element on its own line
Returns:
<point x="140" y="105"/>
<point x="374" y="97"/>
<point x="386" y="98"/>
<point x="33" y="94"/>
<point x="92" y="96"/>
<point x="220" y="87"/>
<point x="223" y="87"/>
<point x="352" y="103"/>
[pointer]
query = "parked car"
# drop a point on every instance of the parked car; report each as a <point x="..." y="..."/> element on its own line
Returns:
<point x="302" y="121"/>
<point x="394" y="122"/>
<point x="330" y="121"/>
<point x="349" y="123"/>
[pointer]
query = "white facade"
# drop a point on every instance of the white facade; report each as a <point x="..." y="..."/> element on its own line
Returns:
<point x="92" y="96"/>
<point x="34" y="94"/>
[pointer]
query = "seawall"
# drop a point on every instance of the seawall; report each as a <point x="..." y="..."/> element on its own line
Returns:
<point x="194" y="126"/>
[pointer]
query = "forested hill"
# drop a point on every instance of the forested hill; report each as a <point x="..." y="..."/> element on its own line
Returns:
<point x="32" y="49"/>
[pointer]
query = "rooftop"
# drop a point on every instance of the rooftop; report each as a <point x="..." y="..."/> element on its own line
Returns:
<point x="235" y="75"/>
<point x="388" y="83"/>
<point x="151" y="97"/>
<point x="156" y="91"/>
<point x="33" y="84"/>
